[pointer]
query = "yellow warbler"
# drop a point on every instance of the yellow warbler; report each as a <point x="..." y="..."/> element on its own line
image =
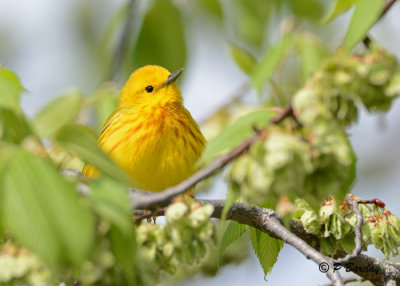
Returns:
<point x="151" y="135"/>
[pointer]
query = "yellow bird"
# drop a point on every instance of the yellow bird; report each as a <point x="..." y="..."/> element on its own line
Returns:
<point x="151" y="135"/>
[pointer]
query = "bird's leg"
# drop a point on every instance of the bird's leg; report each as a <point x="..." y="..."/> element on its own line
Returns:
<point x="145" y="215"/>
<point x="156" y="212"/>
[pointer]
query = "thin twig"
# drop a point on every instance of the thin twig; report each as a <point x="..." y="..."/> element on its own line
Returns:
<point x="376" y="202"/>
<point x="348" y="280"/>
<point x="123" y="42"/>
<point x="287" y="112"/>
<point x="367" y="40"/>
<point x="357" y="230"/>
<point x="163" y="198"/>
<point x="388" y="5"/>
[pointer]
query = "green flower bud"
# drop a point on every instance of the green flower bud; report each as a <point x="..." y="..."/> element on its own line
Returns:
<point x="305" y="101"/>
<point x="393" y="87"/>
<point x="107" y="259"/>
<point x="189" y="254"/>
<point x="206" y="231"/>
<point x="342" y="78"/>
<point x="7" y="266"/>
<point x="394" y="237"/>
<point x="143" y="232"/>
<point x="394" y="221"/>
<point x="310" y="221"/>
<point x="39" y="278"/>
<point x="149" y="252"/>
<point x="378" y="234"/>
<point x="170" y="268"/>
<point x="176" y="211"/>
<point x="23" y="264"/>
<point x="176" y="237"/>
<point x="366" y="233"/>
<point x="258" y="178"/>
<point x="328" y="246"/>
<point x="326" y="211"/>
<point x="200" y="215"/>
<point x="347" y="243"/>
<point x="239" y="170"/>
<point x="379" y="77"/>
<point x="159" y="235"/>
<point x="351" y="220"/>
<point x="89" y="273"/>
<point x="362" y="70"/>
<point x="301" y="206"/>
<point x="277" y="150"/>
<point x="201" y="250"/>
<point x="179" y="254"/>
<point x="168" y="249"/>
<point x="366" y="210"/>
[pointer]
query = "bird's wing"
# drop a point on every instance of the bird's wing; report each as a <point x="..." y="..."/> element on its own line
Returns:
<point x="88" y="170"/>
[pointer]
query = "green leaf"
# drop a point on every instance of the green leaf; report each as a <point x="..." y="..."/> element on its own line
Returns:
<point x="13" y="126"/>
<point x="57" y="113"/>
<point x="270" y="62"/>
<point x="82" y="141"/>
<point x="113" y="206"/>
<point x="338" y="8"/>
<point x="249" y="20"/>
<point x="42" y="210"/>
<point x="243" y="58"/>
<point x="106" y="104"/>
<point x="365" y="15"/>
<point x="213" y="7"/>
<point x="310" y="9"/>
<point x="232" y="233"/>
<point x="231" y="198"/>
<point x="235" y="133"/>
<point x="266" y="248"/>
<point x="10" y="89"/>
<point x="278" y="98"/>
<point x="105" y="100"/>
<point x="108" y="39"/>
<point x="124" y="248"/>
<point x="7" y="151"/>
<point x="312" y="53"/>
<point x="161" y="40"/>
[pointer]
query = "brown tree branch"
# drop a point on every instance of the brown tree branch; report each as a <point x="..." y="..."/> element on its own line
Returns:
<point x="266" y="220"/>
<point x="370" y="268"/>
<point x="348" y="280"/>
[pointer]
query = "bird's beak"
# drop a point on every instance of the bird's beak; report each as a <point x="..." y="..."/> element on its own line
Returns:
<point x="172" y="77"/>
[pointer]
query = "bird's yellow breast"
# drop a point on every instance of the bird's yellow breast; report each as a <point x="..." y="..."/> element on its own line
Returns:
<point x="157" y="145"/>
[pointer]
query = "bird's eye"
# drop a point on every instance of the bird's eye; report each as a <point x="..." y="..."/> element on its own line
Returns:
<point x="149" y="89"/>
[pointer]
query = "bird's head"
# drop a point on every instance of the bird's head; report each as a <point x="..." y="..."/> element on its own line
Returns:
<point x="151" y="85"/>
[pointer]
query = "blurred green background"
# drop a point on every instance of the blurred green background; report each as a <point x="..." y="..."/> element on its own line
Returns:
<point x="59" y="46"/>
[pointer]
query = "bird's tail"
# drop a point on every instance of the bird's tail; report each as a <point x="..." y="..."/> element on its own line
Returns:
<point x="90" y="171"/>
